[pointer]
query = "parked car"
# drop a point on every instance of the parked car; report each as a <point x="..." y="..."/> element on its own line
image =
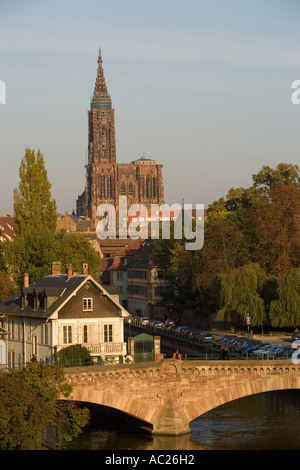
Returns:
<point x="169" y="327"/>
<point x="234" y="342"/>
<point x="296" y="335"/>
<point x="221" y="341"/>
<point x="144" y="320"/>
<point x="266" y="351"/>
<point x="230" y="342"/>
<point x="271" y="352"/>
<point x="181" y="330"/>
<point x="157" y="324"/>
<point x="260" y="350"/>
<point x="240" y="346"/>
<point x="278" y="352"/>
<point x="206" y="337"/>
<point x="194" y="333"/>
<point x="286" y="354"/>
<point x="251" y="346"/>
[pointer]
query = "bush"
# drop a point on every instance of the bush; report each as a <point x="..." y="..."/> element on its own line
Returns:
<point x="74" y="355"/>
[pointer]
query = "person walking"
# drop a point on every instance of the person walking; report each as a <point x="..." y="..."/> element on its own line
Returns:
<point x="177" y="355"/>
<point x="225" y="353"/>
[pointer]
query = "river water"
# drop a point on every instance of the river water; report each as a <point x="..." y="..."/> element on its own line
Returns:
<point x="267" y="421"/>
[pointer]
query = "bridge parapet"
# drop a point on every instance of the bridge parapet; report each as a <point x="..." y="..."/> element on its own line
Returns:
<point x="168" y="394"/>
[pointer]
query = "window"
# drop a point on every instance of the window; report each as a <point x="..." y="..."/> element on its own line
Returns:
<point x="153" y="187"/>
<point x="67" y="334"/>
<point x="108" y="334"/>
<point x="12" y="329"/>
<point x="119" y="276"/>
<point x="123" y="189"/>
<point x="45" y="334"/>
<point x="88" y="304"/>
<point x="35" y="344"/>
<point x="85" y="334"/>
<point x="131" y="189"/>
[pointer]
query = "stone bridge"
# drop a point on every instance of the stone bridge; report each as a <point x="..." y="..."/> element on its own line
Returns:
<point x="167" y="395"/>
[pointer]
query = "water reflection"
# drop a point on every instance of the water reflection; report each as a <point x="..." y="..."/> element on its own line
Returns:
<point x="264" y="421"/>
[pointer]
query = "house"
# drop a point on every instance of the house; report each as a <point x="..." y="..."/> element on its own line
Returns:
<point x="7" y="228"/>
<point x="58" y="311"/>
<point x="118" y="269"/>
<point x="146" y="283"/>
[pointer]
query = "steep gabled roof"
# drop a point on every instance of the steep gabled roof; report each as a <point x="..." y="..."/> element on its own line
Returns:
<point x="58" y="289"/>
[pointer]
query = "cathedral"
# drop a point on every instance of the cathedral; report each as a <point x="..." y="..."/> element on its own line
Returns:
<point x="106" y="180"/>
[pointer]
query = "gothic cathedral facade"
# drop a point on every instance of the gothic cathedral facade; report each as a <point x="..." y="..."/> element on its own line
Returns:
<point x="141" y="180"/>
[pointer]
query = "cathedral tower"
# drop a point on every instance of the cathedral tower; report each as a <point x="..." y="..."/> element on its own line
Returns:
<point x="106" y="180"/>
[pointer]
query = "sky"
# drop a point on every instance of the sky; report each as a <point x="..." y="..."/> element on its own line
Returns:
<point x="201" y="86"/>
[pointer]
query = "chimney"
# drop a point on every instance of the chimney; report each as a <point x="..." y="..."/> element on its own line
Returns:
<point x="26" y="280"/>
<point x="85" y="269"/>
<point x="56" y="267"/>
<point x="69" y="270"/>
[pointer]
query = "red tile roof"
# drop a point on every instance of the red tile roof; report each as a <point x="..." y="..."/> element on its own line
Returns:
<point x="7" y="228"/>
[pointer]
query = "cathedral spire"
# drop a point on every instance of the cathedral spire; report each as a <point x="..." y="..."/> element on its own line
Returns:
<point x="100" y="85"/>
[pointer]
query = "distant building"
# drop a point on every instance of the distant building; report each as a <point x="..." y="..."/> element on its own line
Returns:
<point x="58" y="311"/>
<point x="141" y="180"/>
<point x="7" y="228"/>
<point x="118" y="269"/>
<point x="67" y="222"/>
<point x="146" y="283"/>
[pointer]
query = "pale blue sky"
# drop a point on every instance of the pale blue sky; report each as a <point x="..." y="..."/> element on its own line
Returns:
<point x="203" y="87"/>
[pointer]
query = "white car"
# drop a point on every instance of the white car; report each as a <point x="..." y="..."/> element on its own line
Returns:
<point x="268" y="348"/>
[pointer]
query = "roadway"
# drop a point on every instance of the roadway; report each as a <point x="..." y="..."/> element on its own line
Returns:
<point x="171" y="340"/>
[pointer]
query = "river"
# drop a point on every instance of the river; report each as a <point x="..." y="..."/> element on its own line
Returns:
<point x="267" y="421"/>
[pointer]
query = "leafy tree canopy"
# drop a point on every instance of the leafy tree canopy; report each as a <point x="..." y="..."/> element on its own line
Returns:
<point x="37" y="244"/>
<point x="32" y="398"/>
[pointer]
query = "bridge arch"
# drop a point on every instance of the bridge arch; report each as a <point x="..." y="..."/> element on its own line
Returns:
<point x="169" y="394"/>
<point x="204" y="403"/>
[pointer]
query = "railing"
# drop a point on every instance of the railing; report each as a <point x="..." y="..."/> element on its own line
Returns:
<point x="106" y="348"/>
<point x="211" y="352"/>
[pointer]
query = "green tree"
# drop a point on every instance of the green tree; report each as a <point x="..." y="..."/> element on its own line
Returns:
<point x="34" y="208"/>
<point x="285" y="310"/>
<point x="284" y="173"/>
<point x="275" y="227"/>
<point x="7" y="286"/>
<point x="241" y="294"/>
<point x="30" y="400"/>
<point x="37" y="244"/>
<point x="35" y="215"/>
<point x="75" y="248"/>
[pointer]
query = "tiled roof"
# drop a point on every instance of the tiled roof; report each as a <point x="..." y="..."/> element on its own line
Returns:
<point x="58" y="287"/>
<point x="7" y="228"/>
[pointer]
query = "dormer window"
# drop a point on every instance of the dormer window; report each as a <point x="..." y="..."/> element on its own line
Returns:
<point x="36" y="302"/>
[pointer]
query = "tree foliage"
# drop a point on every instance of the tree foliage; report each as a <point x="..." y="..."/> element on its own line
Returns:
<point x="285" y="310"/>
<point x="30" y="400"/>
<point x="251" y="241"/>
<point x="37" y="244"/>
<point x="242" y="294"/>
<point x="34" y="208"/>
